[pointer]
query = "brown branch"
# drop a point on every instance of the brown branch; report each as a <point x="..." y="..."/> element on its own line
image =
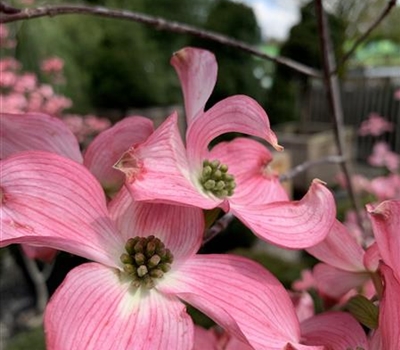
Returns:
<point x="364" y="36"/>
<point x="334" y="100"/>
<point x="309" y="164"/>
<point x="7" y="9"/>
<point x="39" y="282"/>
<point x="220" y="225"/>
<point x="159" y="24"/>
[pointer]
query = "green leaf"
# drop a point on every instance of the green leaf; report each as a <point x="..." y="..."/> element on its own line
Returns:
<point x="364" y="310"/>
<point x="210" y="216"/>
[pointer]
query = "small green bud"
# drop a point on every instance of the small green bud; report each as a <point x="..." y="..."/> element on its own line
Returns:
<point x="125" y="259"/>
<point x="209" y="185"/>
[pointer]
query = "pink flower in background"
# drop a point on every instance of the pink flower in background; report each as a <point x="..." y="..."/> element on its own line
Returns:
<point x="383" y="156"/>
<point x="52" y="65"/>
<point x="26" y="82"/>
<point x="375" y="125"/>
<point x="7" y="79"/>
<point x="85" y="127"/>
<point x="396" y="95"/>
<point x="303" y="304"/>
<point x="145" y="264"/>
<point x="5" y="41"/>
<point x="306" y="281"/>
<point x="9" y="63"/>
<point x="3" y="32"/>
<point x="360" y="182"/>
<point x="233" y="175"/>
<point x="13" y="102"/>
<point x="385" y="187"/>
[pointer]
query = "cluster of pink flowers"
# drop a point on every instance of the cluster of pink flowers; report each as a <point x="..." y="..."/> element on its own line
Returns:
<point x="375" y="125"/>
<point x="386" y="186"/>
<point x="134" y="203"/>
<point x="22" y="92"/>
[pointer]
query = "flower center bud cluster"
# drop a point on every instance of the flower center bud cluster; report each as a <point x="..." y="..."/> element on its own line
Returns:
<point x="216" y="179"/>
<point x="146" y="260"/>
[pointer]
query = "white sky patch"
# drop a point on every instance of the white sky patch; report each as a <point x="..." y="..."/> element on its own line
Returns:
<point x="275" y="17"/>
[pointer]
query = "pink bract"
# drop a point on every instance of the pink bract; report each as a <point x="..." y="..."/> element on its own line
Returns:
<point x="163" y="170"/>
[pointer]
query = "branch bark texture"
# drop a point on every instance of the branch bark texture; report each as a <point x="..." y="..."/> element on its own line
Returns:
<point x="156" y="22"/>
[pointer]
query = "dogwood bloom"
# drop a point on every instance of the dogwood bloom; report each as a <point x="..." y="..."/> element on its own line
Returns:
<point x="145" y="263"/>
<point x="386" y="222"/>
<point x="233" y="175"/>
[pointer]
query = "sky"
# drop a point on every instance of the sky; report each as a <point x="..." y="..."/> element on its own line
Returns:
<point x="275" y="17"/>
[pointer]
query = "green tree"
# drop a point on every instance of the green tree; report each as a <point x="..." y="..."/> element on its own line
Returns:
<point x="303" y="46"/>
<point x="235" y="68"/>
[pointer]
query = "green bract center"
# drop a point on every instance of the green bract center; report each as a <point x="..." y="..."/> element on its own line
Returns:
<point x="216" y="179"/>
<point x="146" y="260"/>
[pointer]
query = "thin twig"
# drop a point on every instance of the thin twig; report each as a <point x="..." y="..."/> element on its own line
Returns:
<point x="39" y="281"/>
<point x="365" y="35"/>
<point x="309" y="164"/>
<point x="159" y="24"/>
<point x="334" y="99"/>
<point x="220" y="225"/>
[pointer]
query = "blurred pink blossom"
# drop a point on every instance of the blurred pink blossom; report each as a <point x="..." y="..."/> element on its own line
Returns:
<point x="383" y="156"/>
<point x="386" y="187"/>
<point x="5" y="41"/>
<point x="56" y="104"/>
<point x="13" y="103"/>
<point x="9" y="63"/>
<point x="360" y="182"/>
<point x="86" y="127"/>
<point x="303" y="304"/>
<point x="396" y="95"/>
<point x="3" y="32"/>
<point x="305" y="282"/>
<point x="52" y="65"/>
<point x="375" y="125"/>
<point x="7" y="79"/>
<point x="25" y="83"/>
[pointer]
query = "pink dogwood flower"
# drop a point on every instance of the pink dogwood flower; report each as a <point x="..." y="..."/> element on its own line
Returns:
<point x="383" y="156"/>
<point x="233" y="175"/>
<point x="375" y="125"/>
<point x="52" y="65"/>
<point x="145" y="263"/>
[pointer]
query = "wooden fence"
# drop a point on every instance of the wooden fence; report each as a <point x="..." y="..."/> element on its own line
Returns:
<point x="361" y="95"/>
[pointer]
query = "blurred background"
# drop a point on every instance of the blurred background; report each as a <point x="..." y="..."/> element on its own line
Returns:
<point x="108" y="69"/>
